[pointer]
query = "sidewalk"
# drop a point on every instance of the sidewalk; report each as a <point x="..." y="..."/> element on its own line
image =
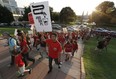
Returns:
<point x="69" y="70"/>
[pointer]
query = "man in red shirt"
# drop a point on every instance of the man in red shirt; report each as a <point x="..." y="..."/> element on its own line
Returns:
<point x="54" y="51"/>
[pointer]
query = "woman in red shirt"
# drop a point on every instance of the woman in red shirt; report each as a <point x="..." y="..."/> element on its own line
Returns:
<point x="24" y="49"/>
<point x="68" y="49"/>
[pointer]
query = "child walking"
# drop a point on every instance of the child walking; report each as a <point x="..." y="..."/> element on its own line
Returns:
<point x="20" y="65"/>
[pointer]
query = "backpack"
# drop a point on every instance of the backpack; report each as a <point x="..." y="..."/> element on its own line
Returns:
<point x="18" y="49"/>
<point x="15" y="40"/>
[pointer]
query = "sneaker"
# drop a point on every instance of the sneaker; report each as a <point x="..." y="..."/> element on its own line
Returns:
<point x="10" y="65"/>
<point x="59" y="66"/>
<point x="30" y="70"/>
<point x="21" y="75"/>
<point x="61" y="63"/>
<point x="66" y="60"/>
<point x="49" y="71"/>
<point x="33" y="61"/>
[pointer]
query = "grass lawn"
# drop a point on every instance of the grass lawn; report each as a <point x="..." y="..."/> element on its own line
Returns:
<point x="100" y="66"/>
<point x="11" y="30"/>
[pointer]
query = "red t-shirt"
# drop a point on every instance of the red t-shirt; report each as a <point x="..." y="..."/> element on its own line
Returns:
<point x="75" y="46"/>
<point x="54" y="48"/>
<point x="61" y="39"/>
<point x="68" y="47"/>
<point x="18" y="60"/>
<point x="35" y="37"/>
<point x="24" y="44"/>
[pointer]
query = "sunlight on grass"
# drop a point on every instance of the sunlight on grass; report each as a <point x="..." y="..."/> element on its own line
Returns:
<point x="101" y="66"/>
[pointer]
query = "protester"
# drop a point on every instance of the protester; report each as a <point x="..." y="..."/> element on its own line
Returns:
<point x="12" y="45"/>
<point x="75" y="47"/>
<point x="25" y="49"/>
<point x="20" y="64"/>
<point x="68" y="49"/>
<point x="54" y="51"/>
<point x="42" y="49"/>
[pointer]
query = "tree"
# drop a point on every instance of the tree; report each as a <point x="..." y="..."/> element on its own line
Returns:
<point x="25" y="16"/>
<point x="67" y="15"/>
<point x="105" y="6"/>
<point x="104" y="13"/>
<point x="51" y="11"/>
<point x="55" y="16"/>
<point x="5" y="15"/>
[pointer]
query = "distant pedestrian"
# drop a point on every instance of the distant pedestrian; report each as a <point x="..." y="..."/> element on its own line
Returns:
<point x="75" y="47"/>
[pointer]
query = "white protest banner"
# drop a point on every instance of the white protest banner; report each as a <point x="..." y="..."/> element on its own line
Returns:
<point x="30" y="32"/>
<point x="41" y="16"/>
<point x="15" y="32"/>
<point x="65" y="30"/>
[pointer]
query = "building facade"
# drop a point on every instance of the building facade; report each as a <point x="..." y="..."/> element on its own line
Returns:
<point x="12" y="6"/>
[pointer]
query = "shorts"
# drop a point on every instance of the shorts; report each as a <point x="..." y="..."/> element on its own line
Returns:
<point x="22" y="69"/>
<point x="68" y="53"/>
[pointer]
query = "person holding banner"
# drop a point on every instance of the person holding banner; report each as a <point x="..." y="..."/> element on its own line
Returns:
<point x="54" y="51"/>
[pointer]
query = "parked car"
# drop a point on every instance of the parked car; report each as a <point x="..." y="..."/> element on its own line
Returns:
<point x="3" y="24"/>
<point x="70" y="28"/>
<point x="113" y="33"/>
<point x="105" y="32"/>
<point x="56" y="26"/>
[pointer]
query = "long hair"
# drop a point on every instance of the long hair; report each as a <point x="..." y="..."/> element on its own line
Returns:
<point x="22" y="36"/>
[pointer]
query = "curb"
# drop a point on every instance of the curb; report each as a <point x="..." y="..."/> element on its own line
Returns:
<point x="82" y="69"/>
<point x="82" y="65"/>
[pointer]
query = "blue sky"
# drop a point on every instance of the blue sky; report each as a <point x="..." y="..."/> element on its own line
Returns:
<point x="77" y="5"/>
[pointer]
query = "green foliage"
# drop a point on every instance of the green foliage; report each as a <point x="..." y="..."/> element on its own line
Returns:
<point x="51" y="11"/>
<point x="105" y="13"/>
<point x="104" y="6"/>
<point x="25" y="16"/>
<point x="5" y="15"/>
<point x="67" y="15"/>
<point x="11" y="30"/>
<point x="20" y="19"/>
<point x="55" y="16"/>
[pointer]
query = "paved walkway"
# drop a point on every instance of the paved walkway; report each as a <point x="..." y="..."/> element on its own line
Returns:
<point x="69" y="70"/>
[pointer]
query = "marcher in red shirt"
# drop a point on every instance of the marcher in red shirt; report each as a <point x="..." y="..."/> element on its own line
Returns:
<point x="75" y="47"/>
<point x="68" y="49"/>
<point x="54" y="51"/>
<point x="20" y="64"/>
<point x="25" y="49"/>
<point x="61" y="39"/>
<point x="36" y="38"/>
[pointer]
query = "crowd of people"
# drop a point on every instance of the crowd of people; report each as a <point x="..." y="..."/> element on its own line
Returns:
<point x="50" y="45"/>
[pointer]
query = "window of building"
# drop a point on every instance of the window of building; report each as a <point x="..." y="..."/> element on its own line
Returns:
<point x="5" y="1"/>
